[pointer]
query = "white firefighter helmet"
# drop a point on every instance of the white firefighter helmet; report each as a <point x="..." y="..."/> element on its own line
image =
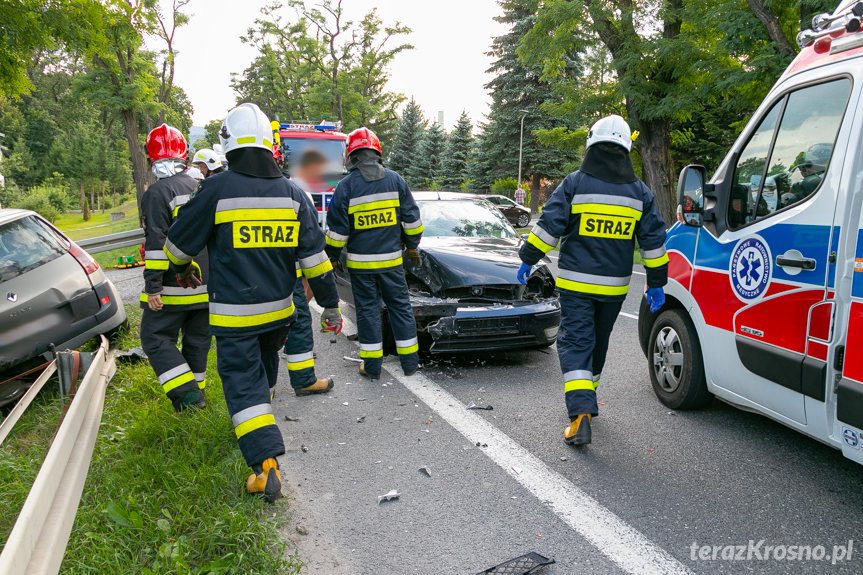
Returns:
<point x="612" y="129"/>
<point x="246" y="126"/>
<point x="207" y="157"/>
<point x="195" y="174"/>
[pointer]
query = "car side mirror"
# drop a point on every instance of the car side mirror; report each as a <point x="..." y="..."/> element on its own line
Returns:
<point x="690" y="195"/>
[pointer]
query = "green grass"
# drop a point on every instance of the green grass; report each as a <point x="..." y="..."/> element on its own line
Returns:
<point x="74" y="226"/>
<point x="164" y="493"/>
<point x="109" y="259"/>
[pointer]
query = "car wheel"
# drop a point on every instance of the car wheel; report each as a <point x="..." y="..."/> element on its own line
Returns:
<point x="523" y="220"/>
<point x="676" y="363"/>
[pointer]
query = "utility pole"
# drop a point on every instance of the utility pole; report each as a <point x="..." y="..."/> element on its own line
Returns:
<point x="521" y="142"/>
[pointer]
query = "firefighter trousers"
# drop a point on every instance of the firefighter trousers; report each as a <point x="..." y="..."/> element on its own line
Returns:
<point x="179" y="370"/>
<point x="582" y="344"/>
<point x="301" y="342"/>
<point x="249" y="367"/>
<point x="369" y="290"/>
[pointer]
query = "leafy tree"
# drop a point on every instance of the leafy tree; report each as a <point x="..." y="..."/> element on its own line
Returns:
<point x="515" y="88"/>
<point x="459" y="153"/>
<point x="404" y="153"/>
<point x="430" y="159"/>
<point x="313" y="64"/>
<point x="212" y="128"/>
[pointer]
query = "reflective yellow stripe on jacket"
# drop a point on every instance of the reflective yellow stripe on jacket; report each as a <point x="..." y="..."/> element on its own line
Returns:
<point x="592" y="284"/>
<point x="156" y="260"/>
<point x="181" y="296"/>
<point x="256" y="209"/>
<point x="250" y="315"/>
<point x="654" y="258"/>
<point x="607" y="205"/>
<point x="373" y="202"/>
<point x="542" y="240"/>
<point x="374" y="261"/>
<point x="413" y="228"/>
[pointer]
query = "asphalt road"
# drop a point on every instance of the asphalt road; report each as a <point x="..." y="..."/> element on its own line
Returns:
<point x="653" y="483"/>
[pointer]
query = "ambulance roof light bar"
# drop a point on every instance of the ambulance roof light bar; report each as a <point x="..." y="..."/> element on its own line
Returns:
<point x="322" y="127"/>
<point x="846" y="18"/>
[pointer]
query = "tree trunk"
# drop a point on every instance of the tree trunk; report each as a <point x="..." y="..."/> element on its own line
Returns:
<point x="103" y="196"/>
<point x="93" y="203"/>
<point x="139" y="161"/>
<point x="85" y="209"/>
<point x="774" y="29"/>
<point x="534" y="193"/>
<point x="657" y="168"/>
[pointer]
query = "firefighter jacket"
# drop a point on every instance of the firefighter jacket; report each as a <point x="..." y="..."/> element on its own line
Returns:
<point x="372" y="220"/>
<point x="257" y="231"/>
<point x="160" y="204"/>
<point x="597" y="224"/>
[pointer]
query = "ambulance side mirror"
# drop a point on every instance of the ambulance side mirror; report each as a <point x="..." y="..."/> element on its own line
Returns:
<point x="690" y="195"/>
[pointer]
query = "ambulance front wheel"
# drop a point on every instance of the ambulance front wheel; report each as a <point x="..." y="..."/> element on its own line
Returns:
<point x="676" y="363"/>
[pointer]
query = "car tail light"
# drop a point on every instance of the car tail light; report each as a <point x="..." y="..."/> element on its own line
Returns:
<point x="88" y="263"/>
<point x="106" y="300"/>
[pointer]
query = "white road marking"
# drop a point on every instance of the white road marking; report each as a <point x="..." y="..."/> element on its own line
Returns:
<point x="638" y="273"/>
<point x="609" y="534"/>
<point x="629" y="315"/>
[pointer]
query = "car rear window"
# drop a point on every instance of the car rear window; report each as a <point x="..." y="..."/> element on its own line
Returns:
<point x="464" y="218"/>
<point x="25" y="244"/>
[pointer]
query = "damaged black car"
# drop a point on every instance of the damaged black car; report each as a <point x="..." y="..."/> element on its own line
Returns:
<point x="465" y="295"/>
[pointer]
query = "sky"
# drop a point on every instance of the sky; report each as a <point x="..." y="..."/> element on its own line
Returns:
<point x="445" y="71"/>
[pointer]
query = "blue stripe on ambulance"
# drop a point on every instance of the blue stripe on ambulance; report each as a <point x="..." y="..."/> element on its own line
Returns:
<point x="683" y="239"/>
<point x="857" y="282"/>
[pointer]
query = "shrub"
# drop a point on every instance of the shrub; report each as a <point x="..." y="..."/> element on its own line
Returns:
<point x="40" y="201"/>
<point x="502" y="186"/>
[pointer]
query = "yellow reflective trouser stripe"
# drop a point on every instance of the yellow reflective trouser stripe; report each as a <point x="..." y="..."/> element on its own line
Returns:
<point x="577" y="384"/>
<point x="655" y="262"/>
<point x="534" y="240"/>
<point x="318" y="270"/>
<point x="415" y="231"/>
<point x="591" y="288"/>
<point x="368" y="206"/>
<point x="299" y="273"/>
<point x="179" y="299"/>
<point x="157" y="264"/>
<point x="372" y="353"/>
<point x="254" y="423"/>
<point x="408" y="350"/>
<point x="375" y="265"/>
<point x="176" y="382"/>
<point x="250" y="320"/>
<point x="301" y="365"/>
<point x="225" y="216"/>
<point x="607" y="210"/>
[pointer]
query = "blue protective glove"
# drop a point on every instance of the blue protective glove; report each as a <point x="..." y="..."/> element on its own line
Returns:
<point x="523" y="273"/>
<point x="655" y="298"/>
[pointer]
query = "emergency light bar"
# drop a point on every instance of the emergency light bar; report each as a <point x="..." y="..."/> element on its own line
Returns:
<point x="322" y="127"/>
<point x="846" y="18"/>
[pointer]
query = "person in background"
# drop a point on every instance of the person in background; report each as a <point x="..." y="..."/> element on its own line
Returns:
<point x="301" y="341"/>
<point x="208" y="162"/>
<point x="520" y="195"/>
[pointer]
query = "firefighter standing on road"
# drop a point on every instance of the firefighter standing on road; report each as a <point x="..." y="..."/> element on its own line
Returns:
<point x="597" y="213"/>
<point x="373" y="213"/>
<point x="300" y="345"/>
<point x="258" y="226"/>
<point x="170" y="310"/>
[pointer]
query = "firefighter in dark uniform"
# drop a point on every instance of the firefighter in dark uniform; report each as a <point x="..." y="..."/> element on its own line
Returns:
<point x="258" y="226"/>
<point x="596" y="215"/>
<point x="373" y="215"/>
<point x="170" y="310"/>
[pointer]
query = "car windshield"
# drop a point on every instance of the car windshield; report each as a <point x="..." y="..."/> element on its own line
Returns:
<point x="464" y="218"/>
<point x="26" y="244"/>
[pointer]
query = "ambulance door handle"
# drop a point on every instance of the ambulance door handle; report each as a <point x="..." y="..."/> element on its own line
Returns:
<point x="802" y="263"/>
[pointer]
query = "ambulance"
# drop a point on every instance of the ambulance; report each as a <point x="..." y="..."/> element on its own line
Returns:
<point x="765" y="295"/>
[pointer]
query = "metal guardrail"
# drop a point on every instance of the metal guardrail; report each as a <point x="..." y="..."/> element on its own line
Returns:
<point x="112" y="241"/>
<point x="38" y="539"/>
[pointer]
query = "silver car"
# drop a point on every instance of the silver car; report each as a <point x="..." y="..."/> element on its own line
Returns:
<point x="51" y="292"/>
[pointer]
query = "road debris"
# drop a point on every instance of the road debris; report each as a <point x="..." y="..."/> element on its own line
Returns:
<point x="389" y="496"/>
<point x="521" y="565"/>
<point x="517" y="470"/>
<point x="304" y="449"/>
<point x="345" y="403"/>
<point x="430" y="420"/>
<point x="361" y="419"/>
<point x="353" y="359"/>
<point x="133" y="355"/>
<point x="302" y="530"/>
<point x="289" y="418"/>
<point x="425" y="470"/>
<point x="472" y="405"/>
<point x="564" y="458"/>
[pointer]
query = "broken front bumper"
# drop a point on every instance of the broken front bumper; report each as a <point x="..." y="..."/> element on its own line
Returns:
<point x="456" y="327"/>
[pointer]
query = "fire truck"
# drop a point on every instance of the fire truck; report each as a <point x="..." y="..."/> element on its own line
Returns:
<point x="765" y="293"/>
<point x="327" y="138"/>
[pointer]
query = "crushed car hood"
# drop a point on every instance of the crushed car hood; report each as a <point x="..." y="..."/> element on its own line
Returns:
<point x="456" y="262"/>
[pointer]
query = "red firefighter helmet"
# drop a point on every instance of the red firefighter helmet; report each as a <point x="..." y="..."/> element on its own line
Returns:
<point x="363" y="138"/>
<point x="165" y="142"/>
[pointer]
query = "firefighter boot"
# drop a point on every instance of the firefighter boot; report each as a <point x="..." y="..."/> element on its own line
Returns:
<point x="364" y="373"/>
<point x="320" y="386"/>
<point x="191" y="400"/>
<point x="266" y="481"/>
<point x="578" y="431"/>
